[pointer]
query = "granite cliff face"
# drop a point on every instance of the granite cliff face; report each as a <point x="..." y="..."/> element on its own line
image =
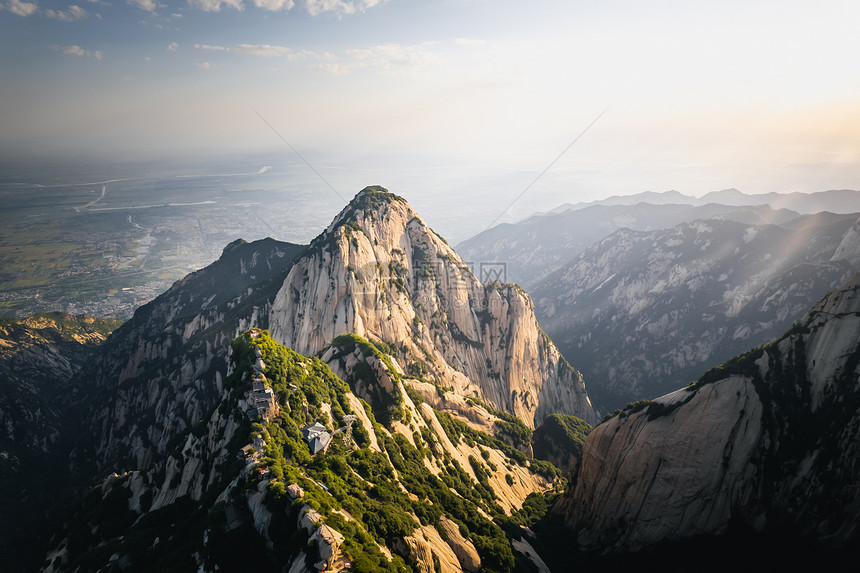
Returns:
<point x="770" y="441"/>
<point x="163" y="371"/>
<point x="378" y="271"/>
<point x="641" y="313"/>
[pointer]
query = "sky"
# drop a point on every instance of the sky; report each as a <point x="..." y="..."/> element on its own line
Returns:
<point x="530" y="103"/>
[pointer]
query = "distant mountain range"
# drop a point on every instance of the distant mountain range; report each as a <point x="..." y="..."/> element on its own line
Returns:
<point x="644" y="312"/>
<point x="532" y="249"/>
<point x="835" y="201"/>
<point x="543" y="242"/>
<point x="641" y="292"/>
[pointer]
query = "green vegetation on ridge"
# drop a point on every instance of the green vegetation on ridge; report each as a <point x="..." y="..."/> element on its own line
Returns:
<point x="363" y="482"/>
<point x="373" y="497"/>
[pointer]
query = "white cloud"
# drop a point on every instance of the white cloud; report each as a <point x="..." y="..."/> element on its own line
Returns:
<point x="73" y="13"/>
<point x="146" y="5"/>
<point x="205" y="65"/>
<point x="315" y="7"/>
<point x="20" y="8"/>
<point x="335" y="69"/>
<point x="172" y="46"/>
<point x="210" y="48"/>
<point x="264" y="50"/>
<point x="390" y="59"/>
<point x="259" y="50"/>
<point x="215" y="5"/>
<point x="395" y="58"/>
<point x="78" y="51"/>
<point x="274" y="5"/>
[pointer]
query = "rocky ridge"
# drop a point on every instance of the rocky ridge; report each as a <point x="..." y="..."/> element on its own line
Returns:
<point x="405" y="491"/>
<point x="163" y="371"/>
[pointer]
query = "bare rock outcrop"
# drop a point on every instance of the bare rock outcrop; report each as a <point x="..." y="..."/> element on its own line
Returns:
<point x="463" y="548"/>
<point x="769" y="440"/>
<point x="849" y="247"/>
<point x="430" y="551"/>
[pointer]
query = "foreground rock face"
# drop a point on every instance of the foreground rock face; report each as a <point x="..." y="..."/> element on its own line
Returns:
<point x="769" y="440"/>
<point x="379" y="272"/>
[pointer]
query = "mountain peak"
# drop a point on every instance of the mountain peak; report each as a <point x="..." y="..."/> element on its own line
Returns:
<point x="379" y="272"/>
<point x="373" y="198"/>
<point x="233" y="245"/>
<point x="375" y="193"/>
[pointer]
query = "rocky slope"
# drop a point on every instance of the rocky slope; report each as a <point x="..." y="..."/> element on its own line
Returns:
<point x="239" y="491"/>
<point x="768" y="442"/>
<point x="641" y="313"/>
<point x="532" y="249"/>
<point x="163" y="370"/>
<point x="38" y="357"/>
<point x="379" y="272"/>
<point x="559" y="440"/>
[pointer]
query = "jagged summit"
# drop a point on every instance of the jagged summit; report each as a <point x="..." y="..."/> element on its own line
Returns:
<point x="378" y="271"/>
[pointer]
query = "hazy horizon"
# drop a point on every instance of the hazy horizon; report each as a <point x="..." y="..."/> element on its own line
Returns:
<point x="453" y="100"/>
